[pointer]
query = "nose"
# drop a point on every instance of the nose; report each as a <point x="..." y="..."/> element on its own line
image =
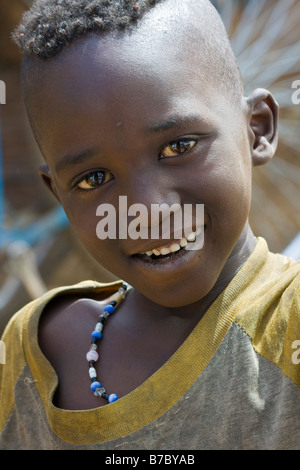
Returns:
<point x="149" y="197"/>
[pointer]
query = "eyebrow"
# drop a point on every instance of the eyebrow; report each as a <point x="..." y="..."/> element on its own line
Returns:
<point x="75" y="159"/>
<point x="175" y="121"/>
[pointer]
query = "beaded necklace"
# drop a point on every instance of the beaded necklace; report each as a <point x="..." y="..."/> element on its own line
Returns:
<point x="92" y="355"/>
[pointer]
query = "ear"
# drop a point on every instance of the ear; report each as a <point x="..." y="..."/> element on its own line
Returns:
<point x="44" y="172"/>
<point x="263" y="122"/>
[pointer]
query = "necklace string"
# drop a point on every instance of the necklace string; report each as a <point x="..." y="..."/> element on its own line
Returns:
<point x="92" y="355"/>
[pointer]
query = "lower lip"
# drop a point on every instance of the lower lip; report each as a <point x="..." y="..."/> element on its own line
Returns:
<point x="171" y="262"/>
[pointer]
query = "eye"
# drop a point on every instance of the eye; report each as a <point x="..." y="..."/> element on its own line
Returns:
<point x="94" y="179"/>
<point x="177" y="147"/>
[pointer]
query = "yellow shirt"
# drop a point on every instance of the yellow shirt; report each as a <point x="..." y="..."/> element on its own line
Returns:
<point x="233" y="384"/>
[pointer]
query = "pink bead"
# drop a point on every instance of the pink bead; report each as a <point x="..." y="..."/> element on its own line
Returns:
<point x="92" y="356"/>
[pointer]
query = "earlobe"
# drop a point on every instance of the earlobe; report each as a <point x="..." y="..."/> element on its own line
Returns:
<point x="44" y="172"/>
<point x="263" y="122"/>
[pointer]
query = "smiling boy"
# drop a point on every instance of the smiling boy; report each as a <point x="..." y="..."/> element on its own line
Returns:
<point x="144" y="100"/>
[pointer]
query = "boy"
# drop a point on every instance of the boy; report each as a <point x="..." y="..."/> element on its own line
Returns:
<point x="144" y="100"/>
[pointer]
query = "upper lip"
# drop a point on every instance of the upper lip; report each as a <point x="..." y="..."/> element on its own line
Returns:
<point x="161" y="243"/>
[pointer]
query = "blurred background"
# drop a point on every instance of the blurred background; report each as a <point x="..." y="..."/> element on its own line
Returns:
<point x="38" y="250"/>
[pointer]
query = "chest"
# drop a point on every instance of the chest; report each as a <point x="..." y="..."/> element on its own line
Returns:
<point x="126" y="358"/>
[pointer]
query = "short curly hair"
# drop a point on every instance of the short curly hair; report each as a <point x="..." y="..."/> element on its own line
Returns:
<point x="50" y="25"/>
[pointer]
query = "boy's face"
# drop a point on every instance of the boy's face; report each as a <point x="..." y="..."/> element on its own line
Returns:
<point x="105" y="113"/>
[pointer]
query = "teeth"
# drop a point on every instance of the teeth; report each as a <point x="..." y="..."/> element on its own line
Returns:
<point x="191" y="237"/>
<point x="165" y="251"/>
<point x="175" y="246"/>
<point x="183" y="242"/>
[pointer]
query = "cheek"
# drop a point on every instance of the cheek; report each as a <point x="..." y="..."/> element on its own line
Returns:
<point x="81" y="214"/>
<point x="224" y="184"/>
<point x="83" y="220"/>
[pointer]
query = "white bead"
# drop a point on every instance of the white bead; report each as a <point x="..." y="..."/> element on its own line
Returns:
<point x="99" y="391"/>
<point x="99" y="327"/>
<point x="92" y="373"/>
<point x="122" y="291"/>
<point x="93" y="347"/>
<point x="92" y="356"/>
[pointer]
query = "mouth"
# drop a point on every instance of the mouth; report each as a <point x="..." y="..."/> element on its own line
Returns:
<point x="173" y="249"/>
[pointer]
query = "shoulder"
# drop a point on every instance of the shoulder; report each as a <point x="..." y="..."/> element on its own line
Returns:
<point x="69" y="312"/>
<point x="61" y="306"/>
<point x="65" y="318"/>
<point x="11" y="367"/>
<point x="52" y="302"/>
<point x="272" y="318"/>
<point x="27" y="330"/>
<point x="46" y="325"/>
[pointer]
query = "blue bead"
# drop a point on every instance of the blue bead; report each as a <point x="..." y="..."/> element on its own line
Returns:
<point x="109" y="309"/>
<point x="95" y="385"/>
<point x="96" y="334"/>
<point x="112" y="397"/>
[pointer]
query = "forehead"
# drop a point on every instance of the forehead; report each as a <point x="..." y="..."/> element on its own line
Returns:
<point x="138" y="77"/>
<point x="125" y="68"/>
<point x="162" y="47"/>
<point x="166" y="58"/>
<point x="115" y="72"/>
<point x="109" y="61"/>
